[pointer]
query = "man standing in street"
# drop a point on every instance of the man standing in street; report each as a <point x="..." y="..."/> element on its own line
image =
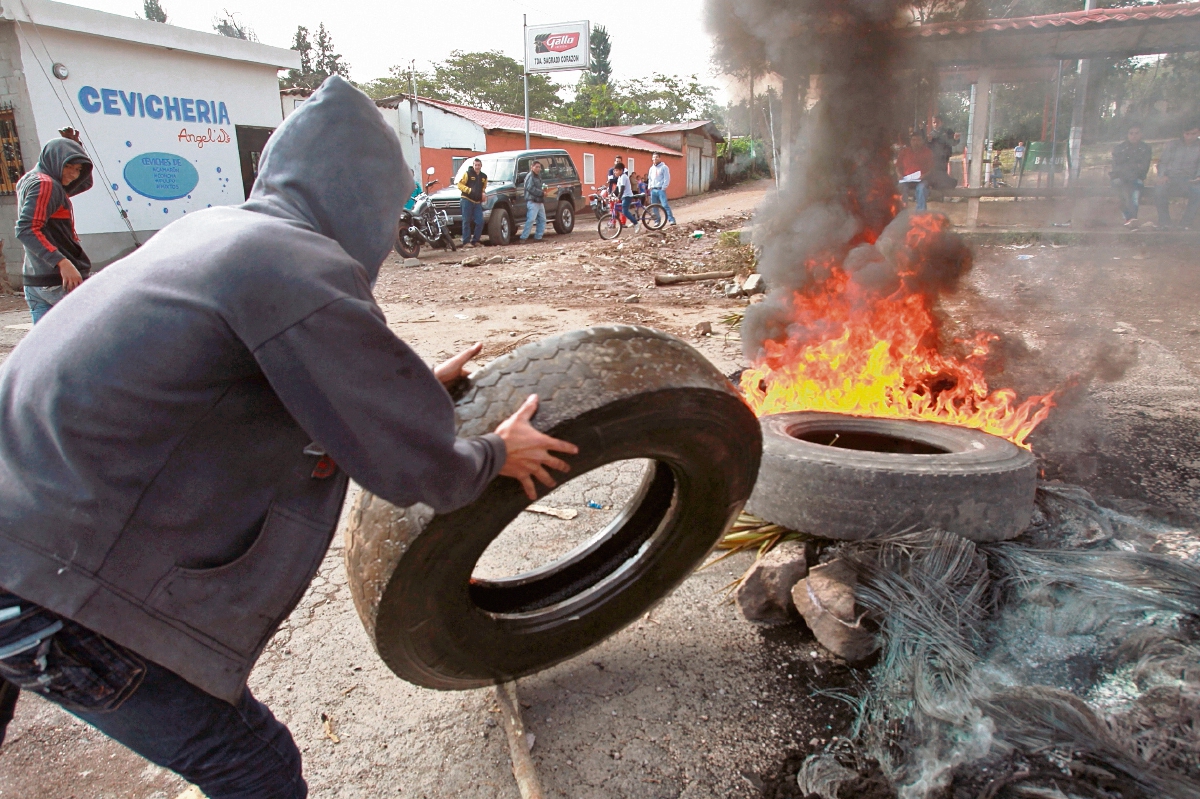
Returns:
<point x="473" y="187"/>
<point x="535" y="202"/>
<point x="55" y="262"/>
<point x="177" y="443"/>
<point x="1179" y="176"/>
<point x="1130" y="163"/>
<point x="916" y="163"/>
<point x="659" y="180"/>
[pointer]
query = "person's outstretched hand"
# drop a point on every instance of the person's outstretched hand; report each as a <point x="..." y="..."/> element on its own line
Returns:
<point x="529" y="449"/>
<point x="452" y="370"/>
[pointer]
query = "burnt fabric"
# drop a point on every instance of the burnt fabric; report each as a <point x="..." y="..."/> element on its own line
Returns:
<point x="165" y="447"/>
<point x="45" y="219"/>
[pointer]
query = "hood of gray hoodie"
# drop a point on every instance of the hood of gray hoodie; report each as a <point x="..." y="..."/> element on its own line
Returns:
<point x="355" y="191"/>
<point x="58" y="153"/>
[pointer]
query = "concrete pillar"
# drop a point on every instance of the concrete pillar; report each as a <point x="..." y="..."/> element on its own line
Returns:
<point x="983" y="109"/>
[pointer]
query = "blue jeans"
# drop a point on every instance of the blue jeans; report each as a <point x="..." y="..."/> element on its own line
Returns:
<point x="627" y="209"/>
<point x="472" y="222"/>
<point x="659" y="197"/>
<point x="1129" y="194"/>
<point x="41" y="299"/>
<point x="922" y="189"/>
<point x="534" y="212"/>
<point x="228" y="751"/>
<point x="1177" y="188"/>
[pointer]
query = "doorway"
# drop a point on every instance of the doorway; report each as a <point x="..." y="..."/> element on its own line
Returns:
<point x="251" y="141"/>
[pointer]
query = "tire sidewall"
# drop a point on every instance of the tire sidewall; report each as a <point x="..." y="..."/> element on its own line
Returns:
<point x="565" y="207"/>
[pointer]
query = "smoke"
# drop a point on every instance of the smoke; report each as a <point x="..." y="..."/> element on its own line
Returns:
<point x="838" y="203"/>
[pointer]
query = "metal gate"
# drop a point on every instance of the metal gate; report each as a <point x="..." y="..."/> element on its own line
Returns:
<point x="693" y="170"/>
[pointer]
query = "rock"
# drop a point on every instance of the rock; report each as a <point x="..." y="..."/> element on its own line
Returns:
<point x="474" y="260"/>
<point x="703" y="329"/>
<point x="495" y="259"/>
<point x="412" y="261"/>
<point x="757" y="298"/>
<point x="754" y="285"/>
<point x="825" y="598"/>
<point x="733" y="289"/>
<point x="765" y="596"/>
<point x="632" y="298"/>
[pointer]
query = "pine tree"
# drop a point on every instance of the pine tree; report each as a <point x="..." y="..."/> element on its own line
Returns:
<point x="153" y="11"/>
<point x="601" y="46"/>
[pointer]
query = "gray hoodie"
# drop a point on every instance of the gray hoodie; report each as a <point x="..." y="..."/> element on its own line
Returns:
<point x="45" y="219"/>
<point x="160" y="472"/>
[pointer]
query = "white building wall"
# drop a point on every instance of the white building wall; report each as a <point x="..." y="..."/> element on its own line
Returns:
<point x="156" y="169"/>
<point x="446" y="131"/>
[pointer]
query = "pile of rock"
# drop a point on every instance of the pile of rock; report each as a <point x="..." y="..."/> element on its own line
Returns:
<point x="788" y="581"/>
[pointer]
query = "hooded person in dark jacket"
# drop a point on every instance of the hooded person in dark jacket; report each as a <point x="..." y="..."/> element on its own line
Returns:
<point x="175" y="450"/>
<point x="55" y="263"/>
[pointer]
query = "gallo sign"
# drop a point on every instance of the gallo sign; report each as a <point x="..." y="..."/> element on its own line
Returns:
<point x="565" y="46"/>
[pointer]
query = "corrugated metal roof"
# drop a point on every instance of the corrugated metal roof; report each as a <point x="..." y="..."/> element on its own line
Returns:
<point x="495" y="120"/>
<point x="1100" y="33"/>
<point x="1077" y="19"/>
<point x="668" y="127"/>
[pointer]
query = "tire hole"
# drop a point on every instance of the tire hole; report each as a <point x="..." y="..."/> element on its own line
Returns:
<point x="868" y="442"/>
<point x="540" y="559"/>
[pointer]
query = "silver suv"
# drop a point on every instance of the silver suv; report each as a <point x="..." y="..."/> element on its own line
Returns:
<point x="504" y="206"/>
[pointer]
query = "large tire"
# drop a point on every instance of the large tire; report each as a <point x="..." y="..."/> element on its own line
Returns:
<point x="500" y="226"/>
<point x="619" y="393"/>
<point x="881" y="476"/>
<point x="564" y="220"/>
<point x="407" y="245"/>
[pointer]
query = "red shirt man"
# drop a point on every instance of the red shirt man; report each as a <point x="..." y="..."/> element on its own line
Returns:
<point x="916" y="157"/>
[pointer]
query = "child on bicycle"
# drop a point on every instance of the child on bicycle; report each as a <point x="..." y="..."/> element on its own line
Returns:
<point x="625" y="192"/>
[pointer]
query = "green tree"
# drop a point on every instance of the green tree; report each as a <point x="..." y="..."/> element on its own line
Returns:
<point x="600" y="45"/>
<point x="318" y="60"/>
<point x="489" y="80"/>
<point x="642" y="101"/>
<point x="594" y="106"/>
<point x="227" y="25"/>
<point x="153" y="11"/>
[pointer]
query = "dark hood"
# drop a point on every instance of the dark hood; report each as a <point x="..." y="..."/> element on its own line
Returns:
<point x="58" y="153"/>
<point x="335" y="166"/>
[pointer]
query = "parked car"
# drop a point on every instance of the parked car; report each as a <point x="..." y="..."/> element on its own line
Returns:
<point x="504" y="207"/>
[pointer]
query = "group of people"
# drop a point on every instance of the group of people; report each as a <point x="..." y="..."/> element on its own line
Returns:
<point x="1178" y="174"/>
<point x="629" y="189"/>
<point x="925" y="162"/>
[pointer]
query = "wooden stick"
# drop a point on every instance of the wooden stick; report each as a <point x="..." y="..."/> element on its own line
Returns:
<point x="668" y="280"/>
<point x="518" y="744"/>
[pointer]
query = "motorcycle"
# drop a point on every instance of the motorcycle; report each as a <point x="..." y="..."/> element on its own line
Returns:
<point x="423" y="225"/>
<point x="600" y="201"/>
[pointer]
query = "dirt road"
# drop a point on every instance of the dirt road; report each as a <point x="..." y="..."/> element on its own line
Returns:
<point x="691" y="701"/>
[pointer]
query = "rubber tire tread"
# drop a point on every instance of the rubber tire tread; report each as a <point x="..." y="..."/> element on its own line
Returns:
<point x="593" y="383"/>
<point x="982" y="489"/>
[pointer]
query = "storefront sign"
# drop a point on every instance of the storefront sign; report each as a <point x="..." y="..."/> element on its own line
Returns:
<point x="116" y="102"/>
<point x="551" y="48"/>
<point x="161" y="176"/>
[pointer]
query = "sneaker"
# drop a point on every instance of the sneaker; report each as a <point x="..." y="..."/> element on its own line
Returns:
<point x="671" y="222"/>
<point x="1132" y="224"/>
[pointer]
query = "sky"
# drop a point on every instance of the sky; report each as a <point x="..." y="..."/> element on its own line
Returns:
<point x="373" y="35"/>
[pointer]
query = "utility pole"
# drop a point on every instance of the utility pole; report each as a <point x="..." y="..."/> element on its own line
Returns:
<point x="524" y="44"/>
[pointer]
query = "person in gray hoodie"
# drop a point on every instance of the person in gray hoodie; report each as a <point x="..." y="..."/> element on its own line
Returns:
<point x="175" y="450"/>
<point x="55" y="262"/>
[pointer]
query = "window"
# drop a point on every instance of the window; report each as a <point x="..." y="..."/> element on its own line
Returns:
<point x="589" y="169"/>
<point x="11" y="165"/>
<point x="457" y="162"/>
<point x="567" y="167"/>
<point x="629" y="167"/>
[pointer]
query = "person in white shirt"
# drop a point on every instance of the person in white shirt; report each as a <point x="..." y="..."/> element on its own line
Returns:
<point x="625" y="192"/>
<point x="659" y="179"/>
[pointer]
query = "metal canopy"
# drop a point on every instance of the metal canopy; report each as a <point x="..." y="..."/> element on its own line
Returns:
<point x="1032" y="41"/>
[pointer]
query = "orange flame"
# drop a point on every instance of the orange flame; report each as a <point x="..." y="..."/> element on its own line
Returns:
<point x="850" y="351"/>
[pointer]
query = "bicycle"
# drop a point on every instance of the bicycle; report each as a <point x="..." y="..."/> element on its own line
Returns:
<point x="651" y="217"/>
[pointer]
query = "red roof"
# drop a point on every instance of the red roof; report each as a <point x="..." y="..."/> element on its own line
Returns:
<point x="495" y="120"/>
<point x="1071" y="19"/>
<point x="667" y="127"/>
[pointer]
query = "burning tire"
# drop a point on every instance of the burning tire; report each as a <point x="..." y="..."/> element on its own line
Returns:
<point x="852" y="478"/>
<point x="619" y="393"/>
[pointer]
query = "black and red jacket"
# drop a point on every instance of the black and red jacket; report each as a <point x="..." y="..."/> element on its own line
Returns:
<point x="45" y="219"/>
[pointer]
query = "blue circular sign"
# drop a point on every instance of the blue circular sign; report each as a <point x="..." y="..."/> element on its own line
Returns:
<point x="161" y="176"/>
